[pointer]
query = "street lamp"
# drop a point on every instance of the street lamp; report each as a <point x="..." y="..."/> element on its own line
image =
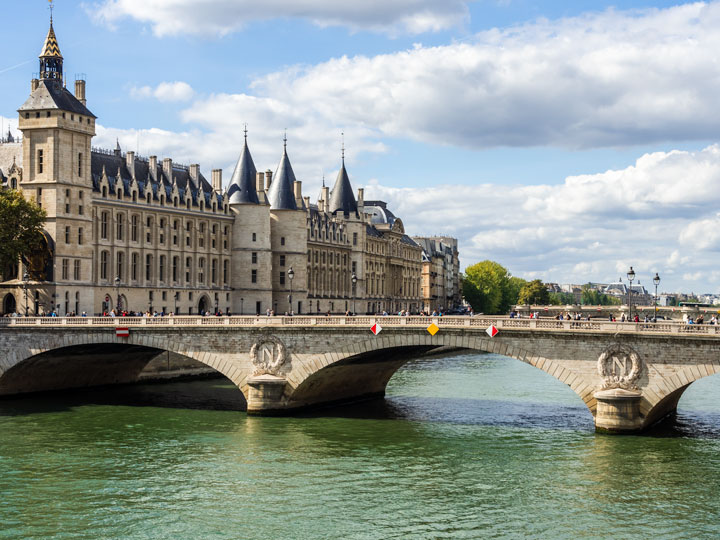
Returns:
<point x="354" y="282"/>
<point x="631" y="277"/>
<point x="26" y="278"/>
<point x="216" y="304"/>
<point x="656" y="281"/>
<point x="117" y="293"/>
<point x="242" y="311"/>
<point x="291" y="275"/>
<point x="177" y="294"/>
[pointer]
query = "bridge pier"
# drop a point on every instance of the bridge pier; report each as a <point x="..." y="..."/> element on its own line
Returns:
<point x="266" y="394"/>
<point x="618" y="411"/>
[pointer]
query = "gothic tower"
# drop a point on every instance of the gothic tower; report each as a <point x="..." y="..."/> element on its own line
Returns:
<point x="251" y="256"/>
<point x="57" y="131"/>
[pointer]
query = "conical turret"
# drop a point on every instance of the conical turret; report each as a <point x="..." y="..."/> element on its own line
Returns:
<point x="242" y="184"/>
<point x="281" y="194"/>
<point x="50" y="58"/>
<point x="342" y="198"/>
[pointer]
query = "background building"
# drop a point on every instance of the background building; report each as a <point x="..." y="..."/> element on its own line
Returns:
<point x="440" y="273"/>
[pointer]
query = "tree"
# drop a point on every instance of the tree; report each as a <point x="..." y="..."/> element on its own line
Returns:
<point x="593" y="297"/>
<point x="561" y="299"/>
<point x="21" y="227"/>
<point x="487" y="287"/>
<point x="534" y="292"/>
<point x="512" y="292"/>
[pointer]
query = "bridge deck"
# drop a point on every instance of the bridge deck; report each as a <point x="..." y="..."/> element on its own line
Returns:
<point x="479" y="323"/>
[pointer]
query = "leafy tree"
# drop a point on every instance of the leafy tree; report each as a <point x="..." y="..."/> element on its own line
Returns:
<point x="561" y="299"/>
<point x="487" y="287"/>
<point x="21" y="226"/>
<point x="511" y="295"/>
<point x="534" y="292"/>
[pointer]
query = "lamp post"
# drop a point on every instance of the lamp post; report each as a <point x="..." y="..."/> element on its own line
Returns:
<point x="631" y="277"/>
<point x="242" y="310"/>
<point x="117" y="294"/>
<point x="26" y="278"/>
<point x="216" y="304"/>
<point x="176" y="300"/>
<point x="291" y="275"/>
<point x="656" y="281"/>
<point x="354" y="283"/>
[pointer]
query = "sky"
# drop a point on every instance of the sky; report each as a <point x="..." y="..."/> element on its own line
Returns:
<point x="567" y="141"/>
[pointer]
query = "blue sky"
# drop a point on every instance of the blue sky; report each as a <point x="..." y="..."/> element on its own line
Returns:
<point x="565" y="140"/>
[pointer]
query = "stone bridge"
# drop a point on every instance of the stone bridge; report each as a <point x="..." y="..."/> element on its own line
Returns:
<point x="629" y="375"/>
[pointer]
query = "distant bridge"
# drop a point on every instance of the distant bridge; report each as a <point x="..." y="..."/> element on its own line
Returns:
<point x="629" y="375"/>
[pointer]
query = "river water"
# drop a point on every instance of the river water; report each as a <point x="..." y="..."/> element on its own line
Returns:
<point x="464" y="446"/>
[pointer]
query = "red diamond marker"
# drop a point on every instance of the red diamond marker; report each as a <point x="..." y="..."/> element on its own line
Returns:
<point x="492" y="331"/>
<point x="376" y="328"/>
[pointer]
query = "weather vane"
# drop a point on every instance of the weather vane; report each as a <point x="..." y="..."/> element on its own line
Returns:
<point x="51" y="10"/>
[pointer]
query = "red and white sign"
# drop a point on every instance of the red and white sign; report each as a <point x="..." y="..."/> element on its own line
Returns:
<point x="376" y="328"/>
<point x="122" y="332"/>
<point x="492" y="331"/>
<point x="107" y="297"/>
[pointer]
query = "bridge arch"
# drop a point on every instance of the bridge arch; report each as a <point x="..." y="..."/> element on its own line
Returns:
<point x="663" y="393"/>
<point x="21" y="358"/>
<point x="325" y="372"/>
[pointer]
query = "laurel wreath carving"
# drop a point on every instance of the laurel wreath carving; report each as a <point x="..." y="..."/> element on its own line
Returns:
<point x="626" y="382"/>
<point x="264" y="365"/>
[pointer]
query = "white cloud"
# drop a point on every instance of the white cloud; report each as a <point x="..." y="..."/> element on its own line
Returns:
<point x="213" y="17"/>
<point x="582" y="231"/>
<point x="165" y="92"/>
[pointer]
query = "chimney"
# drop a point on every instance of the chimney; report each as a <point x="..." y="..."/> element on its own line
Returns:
<point x="167" y="168"/>
<point x="260" y="182"/>
<point x="268" y="179"/>
<point x="153" y="166"/>
<point x="195" y="173"/>
<point x="297" y="188"/>
<point x="34" y="85"/>
<point x="217" y="180"/>
<point x="307" y="202"/>
<point x="130" y="161"/>
<point x="80" y="91"/>
<point x="326" y="199"/>
<point x="361" y="197"/>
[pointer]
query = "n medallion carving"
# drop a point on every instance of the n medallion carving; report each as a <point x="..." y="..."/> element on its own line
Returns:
<point x="268" y="355"/>
<point x="620" y="367"/>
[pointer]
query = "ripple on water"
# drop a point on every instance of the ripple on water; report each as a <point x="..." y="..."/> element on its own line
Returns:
<point x="464" y="446"/>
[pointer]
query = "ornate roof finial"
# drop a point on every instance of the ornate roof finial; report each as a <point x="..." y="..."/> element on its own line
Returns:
<point x="285" y="139"/>
<point x="51" y="11"/>
<point x="342" y="133"/>
<point x="245" y="132"/>
<point x="323" y="178"/>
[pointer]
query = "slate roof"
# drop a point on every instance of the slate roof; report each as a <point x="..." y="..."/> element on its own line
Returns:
<point x="281" y="194"/>
<point x="50" y="94"/>
<point x="242" y="185"/>
<point x="379" y="214"/>
<point x="341" y="197"/>
<point x="120" y="177"/>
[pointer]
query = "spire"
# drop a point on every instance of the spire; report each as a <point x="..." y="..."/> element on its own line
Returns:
<point x="50" y="58"/>
<point x="342" y="198"/>
<point x="282" y="193"/>
<point x="242" y="184"/>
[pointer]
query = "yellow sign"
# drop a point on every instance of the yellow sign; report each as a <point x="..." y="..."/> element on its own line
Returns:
<point x="433" y="329"/>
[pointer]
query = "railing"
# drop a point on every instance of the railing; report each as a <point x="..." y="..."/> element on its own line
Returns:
<point x="479" y="323"/>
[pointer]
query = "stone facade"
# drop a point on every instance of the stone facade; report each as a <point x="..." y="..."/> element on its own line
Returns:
<point x="126" y="232"/>
<point x="440" y="273"/>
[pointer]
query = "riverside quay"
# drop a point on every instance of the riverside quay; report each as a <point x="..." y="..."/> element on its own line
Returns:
<point x="629" y="375"/>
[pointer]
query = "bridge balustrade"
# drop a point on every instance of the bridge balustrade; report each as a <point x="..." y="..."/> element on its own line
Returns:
<point x="478" y="322"/>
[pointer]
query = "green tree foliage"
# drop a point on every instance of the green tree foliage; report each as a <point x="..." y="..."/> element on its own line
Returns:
<point x="21" y="226"/>
<point x="593" y="297"/>
<point x="489" y="288"/>
<point x="534" y="292"/>
<point x="561" y="299"/>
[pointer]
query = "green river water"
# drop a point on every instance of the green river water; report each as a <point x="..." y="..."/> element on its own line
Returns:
<point x="464" y="446"/>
